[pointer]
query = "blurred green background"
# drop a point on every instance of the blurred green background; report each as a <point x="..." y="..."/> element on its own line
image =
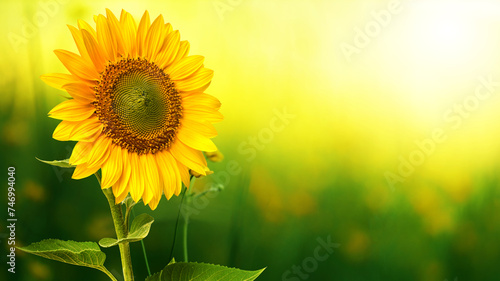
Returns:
<point x="364" y="87"/>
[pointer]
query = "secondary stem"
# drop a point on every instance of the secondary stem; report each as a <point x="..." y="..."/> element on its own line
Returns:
<point x="143" y="249"/>
<point x="121" y="232"/>
<point x="113" y="278"/>
<point x="176" y="224"/>
<point x="186" y="220"/>
<point x="184" y="237"/>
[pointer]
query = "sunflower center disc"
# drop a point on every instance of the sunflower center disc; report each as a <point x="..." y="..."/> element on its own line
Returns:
<point x="138" y="105"/>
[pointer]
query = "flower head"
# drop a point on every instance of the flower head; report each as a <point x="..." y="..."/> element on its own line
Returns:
<point x="138" y="110"/>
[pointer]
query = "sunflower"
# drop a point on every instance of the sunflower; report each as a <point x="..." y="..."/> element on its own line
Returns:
<point x="138" y="109"/>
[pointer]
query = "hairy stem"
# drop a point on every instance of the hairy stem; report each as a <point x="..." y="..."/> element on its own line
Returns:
<point x="121" y="232"/>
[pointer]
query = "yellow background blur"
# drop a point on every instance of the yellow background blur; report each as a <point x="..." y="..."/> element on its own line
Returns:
<point x="366" y="85"/>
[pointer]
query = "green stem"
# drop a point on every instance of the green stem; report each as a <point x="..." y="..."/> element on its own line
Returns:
<point x="186" y="221"/>
<point x="121" y="232"/>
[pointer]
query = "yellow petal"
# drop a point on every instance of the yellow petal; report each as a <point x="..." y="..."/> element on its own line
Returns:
<point x="168" y="173"/>
<point x="169" y="49"/>
<point x="123" y="15"/>
<point x="119" y="197"/>
<point x="112" y="168"/>
<point x="184" y="67"/>
<point x="100" y="152"/>
<point x="136" y="184"/>
<point x="183" y="50"/>
<point x="83" y="171"/>
<point x="163" y="172"/>
<point x="195" y="139"/>
<point x="168" y="28"/>
<point x="186" y="178"/>
<point x="87" y="130"/>
<point x="80" y="92"/>
<point x="105" y="38"/>
<point x="154" y="38"/>
<point x="202" y="99"/>
<point x="129" y="29"/>
<point x="203" y="127"/>
<point x="120" y="188"/>
<point x="202" y="113"/>
<point x="84" y="25"/>
<point x="57" y="80"/>
<point x="198" y="80"/>
<point x="77" y="65"/>
<point x="155" y="176"/>
<point x="191" y="158"/>
<point x="154" y="203"/>
<point x="80" y="153"/>
<point x="77" y="36"/>
<point x="142" y="30"/>
<point x="95" y="51"/>
<point x="195" y="91"/>
<point x="72" y="110"/>
<point x="63" y="131"/>
<point x="116" y="31"/>
<point x="150" y="175"/>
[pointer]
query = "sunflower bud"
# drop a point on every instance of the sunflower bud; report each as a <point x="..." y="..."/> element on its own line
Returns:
<point x="215" y="156"/>
<point x="198" y="175"/>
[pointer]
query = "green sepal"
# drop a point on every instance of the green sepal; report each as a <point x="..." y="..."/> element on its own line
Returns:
<point x="129" y="202"/>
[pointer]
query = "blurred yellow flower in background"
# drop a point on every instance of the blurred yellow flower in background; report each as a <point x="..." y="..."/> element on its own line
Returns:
<point x="137" y="109"/>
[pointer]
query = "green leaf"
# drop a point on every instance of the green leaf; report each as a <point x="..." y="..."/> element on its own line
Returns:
<point x="189" y="271"/>
<point x="108" y="242"/>
<point x="77" y="253"/>
<point x="139" y="230"/>
<point x="59" y="163"/>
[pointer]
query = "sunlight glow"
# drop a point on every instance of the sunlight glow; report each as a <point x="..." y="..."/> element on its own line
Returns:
<point x="443" y="47"/>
